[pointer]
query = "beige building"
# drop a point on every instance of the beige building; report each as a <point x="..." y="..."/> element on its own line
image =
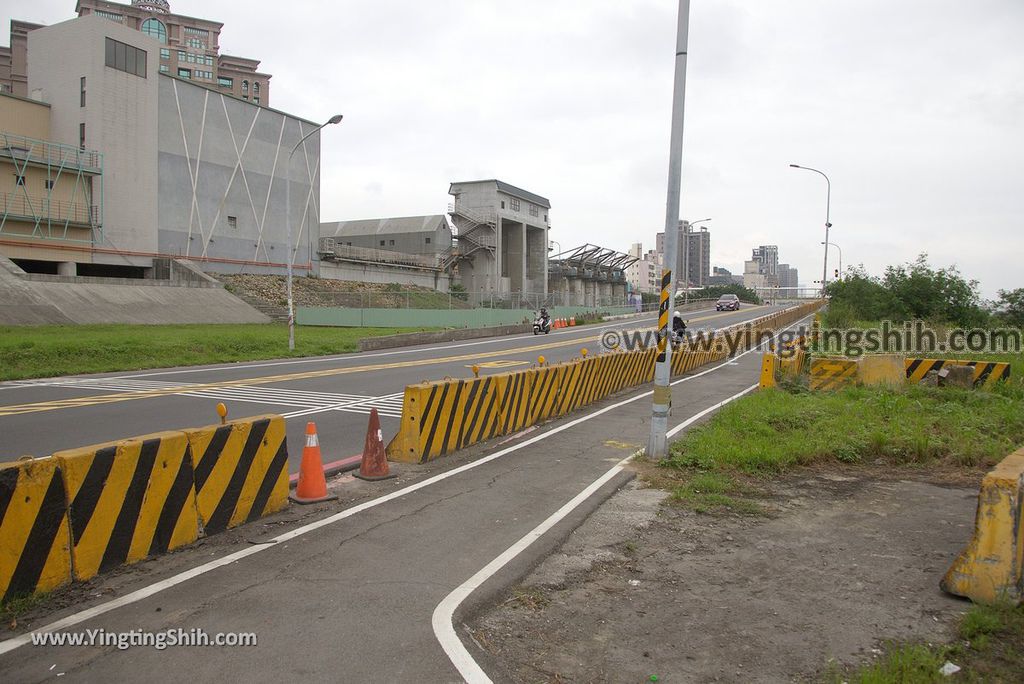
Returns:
<point x="50" y="193"/>
<point x="190" y="49"/>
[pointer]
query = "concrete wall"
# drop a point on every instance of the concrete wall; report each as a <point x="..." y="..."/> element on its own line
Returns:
<point x="53" y="300"/>
<point x="221" y="159"/>
<point x="423" y="318"/>
<point x="384" y="273"/>
<point x="120" y="118"/>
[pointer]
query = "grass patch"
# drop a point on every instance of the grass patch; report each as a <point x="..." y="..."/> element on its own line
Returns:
<point x="47" y="351"/>
<point x="712" y="492"/>
<point x="990" y="649"/>
<point x="769" y="432"/>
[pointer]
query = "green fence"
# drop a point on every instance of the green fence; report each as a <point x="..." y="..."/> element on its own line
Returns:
<point x="435" y="318"/>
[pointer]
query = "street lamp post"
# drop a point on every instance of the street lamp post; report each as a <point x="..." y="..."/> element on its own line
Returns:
<point x="828" y="202"/>
<point x="687" y="226"/>
<point x="840" y="249"/>
<point x="290" y="255"/>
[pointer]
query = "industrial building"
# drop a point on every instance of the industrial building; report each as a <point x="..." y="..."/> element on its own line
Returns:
<point x="501" y="245"/>
<point x="165" y="166"/>
<point x="190" y="49"/>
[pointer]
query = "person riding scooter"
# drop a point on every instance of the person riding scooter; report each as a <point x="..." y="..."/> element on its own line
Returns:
<point x="678" y="327"/>
<point x="543" y="322"/>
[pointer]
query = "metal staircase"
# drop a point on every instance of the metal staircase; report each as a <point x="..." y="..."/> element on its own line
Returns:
<point x="475" y="230"/>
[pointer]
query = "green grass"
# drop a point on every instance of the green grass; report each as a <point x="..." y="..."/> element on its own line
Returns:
<point x="769" y="432"/>
<point x="990" y="648"/>
<point x="709" y="492"/>
<point x="47" y="351"/>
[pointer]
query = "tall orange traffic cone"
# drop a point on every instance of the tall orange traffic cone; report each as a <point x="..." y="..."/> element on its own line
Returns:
<point x="375" y="461"/>
<point x="572" y="321"/>
<point x="312" y="487"/>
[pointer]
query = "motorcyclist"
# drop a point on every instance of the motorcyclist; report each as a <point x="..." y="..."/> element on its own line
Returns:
<point x="544" y="315"/>
<point x="678" y="325"/>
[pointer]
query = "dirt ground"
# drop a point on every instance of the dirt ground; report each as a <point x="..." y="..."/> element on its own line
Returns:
<point x="842" y="563"/>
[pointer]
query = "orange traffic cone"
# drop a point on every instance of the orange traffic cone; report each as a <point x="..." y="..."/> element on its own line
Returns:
<point x="312" y="487"/>
<point x="572" y="321"/>
<point x="375" y="461"/>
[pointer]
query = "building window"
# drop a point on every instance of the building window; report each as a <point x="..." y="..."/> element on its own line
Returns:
<point x="49" y="184"/>
<point x="20" y="180"/>
<point x="196" y="43"/>
<point x="255" y="88"/>
<point x="184" y="73"/>
<point x="112" y="16"/>
<point x="502" y="204"/>
<point x="81" y="92"/>
<point x="534" y="211"/>
<point x="81" y="136"/>
<point x="428" y="241"/>
<point x="226" y="82"/>
<point x="245" y="86"/>
<point x="381" y="243"/>
<point x="155" y="28"/>
<point x="182" y="56"/>
<point x="164" y="69"/>
<point x="197" y="31"/>
<point x="233" y="222"/>
<point x="256" y="99"/>
<point x="391" y="243"/>
<point x="165" y="53"/>
<point x="514" y="204"/>
<point x="126" y="58"/>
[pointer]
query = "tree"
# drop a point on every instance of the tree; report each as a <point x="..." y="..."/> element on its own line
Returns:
<point x="920" y="292"/>
<point x="1010" y="307"/>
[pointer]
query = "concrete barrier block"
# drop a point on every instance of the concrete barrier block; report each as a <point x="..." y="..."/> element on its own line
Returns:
<point x="989" y="570"/>
<point x="35" y="545"/>
<point x="128" y="500"/>
<point x="882" y="369"/>
<point x="832" y="374"/>
<point x="241" y="471"/>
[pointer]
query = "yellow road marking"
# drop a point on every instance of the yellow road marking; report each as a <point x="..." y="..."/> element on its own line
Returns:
<point x="36" y="407"/>
<point x="498" y="364"/>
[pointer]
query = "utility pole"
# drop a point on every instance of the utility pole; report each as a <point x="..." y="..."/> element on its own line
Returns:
<point x="657" y="447"/>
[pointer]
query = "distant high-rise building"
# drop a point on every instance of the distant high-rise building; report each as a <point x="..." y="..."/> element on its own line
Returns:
<point x="645" y="274"/>
<point x="787" y="276"/>
<point x="694" y="246"/>
<point x="768" y="256"/>
<point x="190" y="49"/>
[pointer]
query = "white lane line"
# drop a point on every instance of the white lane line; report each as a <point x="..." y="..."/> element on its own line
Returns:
<point x="441" y="620"/>
<point x="13" y="643"/>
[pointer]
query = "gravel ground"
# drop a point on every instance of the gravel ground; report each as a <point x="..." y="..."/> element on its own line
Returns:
<point x="840" y="564"/>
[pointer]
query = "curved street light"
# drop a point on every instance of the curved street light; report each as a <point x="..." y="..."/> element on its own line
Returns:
<point x="686" y="258"/>
<point x="288" y="225"/>
<point x="828" y="202"/>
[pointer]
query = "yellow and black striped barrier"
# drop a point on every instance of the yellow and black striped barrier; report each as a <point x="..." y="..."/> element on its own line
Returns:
<point x="832" y="374"/>
<point x="128" y="500"/>
<point x="241" y="471"/>
<point x="35" y="552"/>
<point x="443" y="416"/>
<point x="986" y="373"/>
<point x="84" y="511"/>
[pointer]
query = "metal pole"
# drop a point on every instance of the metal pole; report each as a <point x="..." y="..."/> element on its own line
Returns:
<point x="685" y="236"/>
<point x="828" y="224"/>
<point x="289" y="253"/>
<point x="657" y="447"/>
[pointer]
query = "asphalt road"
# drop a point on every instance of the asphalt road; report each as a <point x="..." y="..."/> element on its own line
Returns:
<point x="351" y="597"/>
<point x="38" y="417"/>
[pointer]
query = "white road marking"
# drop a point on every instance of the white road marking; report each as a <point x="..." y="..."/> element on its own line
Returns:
<point x="14" y="643"/>
<point x="441" y="619"/>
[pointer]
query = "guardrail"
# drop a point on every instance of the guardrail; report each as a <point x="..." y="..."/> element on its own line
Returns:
<point x="443" y="416"/>
<point x="81" y="512"/>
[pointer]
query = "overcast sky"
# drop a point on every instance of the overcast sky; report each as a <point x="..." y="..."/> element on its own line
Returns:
<point x="914" y="108"/>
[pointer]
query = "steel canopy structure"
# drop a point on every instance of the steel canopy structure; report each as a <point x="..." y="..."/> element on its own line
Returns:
<point x="591" y="262"/>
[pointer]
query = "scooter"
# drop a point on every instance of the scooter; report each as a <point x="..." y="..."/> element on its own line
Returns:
<point x="541" y="325"/>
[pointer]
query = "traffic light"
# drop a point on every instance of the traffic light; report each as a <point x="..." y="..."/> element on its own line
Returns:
<point x="837" y="274"/>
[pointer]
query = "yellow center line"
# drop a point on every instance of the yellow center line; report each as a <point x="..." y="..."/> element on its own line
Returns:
<point x="57" y="404"/>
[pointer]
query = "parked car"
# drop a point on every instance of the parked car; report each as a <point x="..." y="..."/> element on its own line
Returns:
<point x="728" y="302"/>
